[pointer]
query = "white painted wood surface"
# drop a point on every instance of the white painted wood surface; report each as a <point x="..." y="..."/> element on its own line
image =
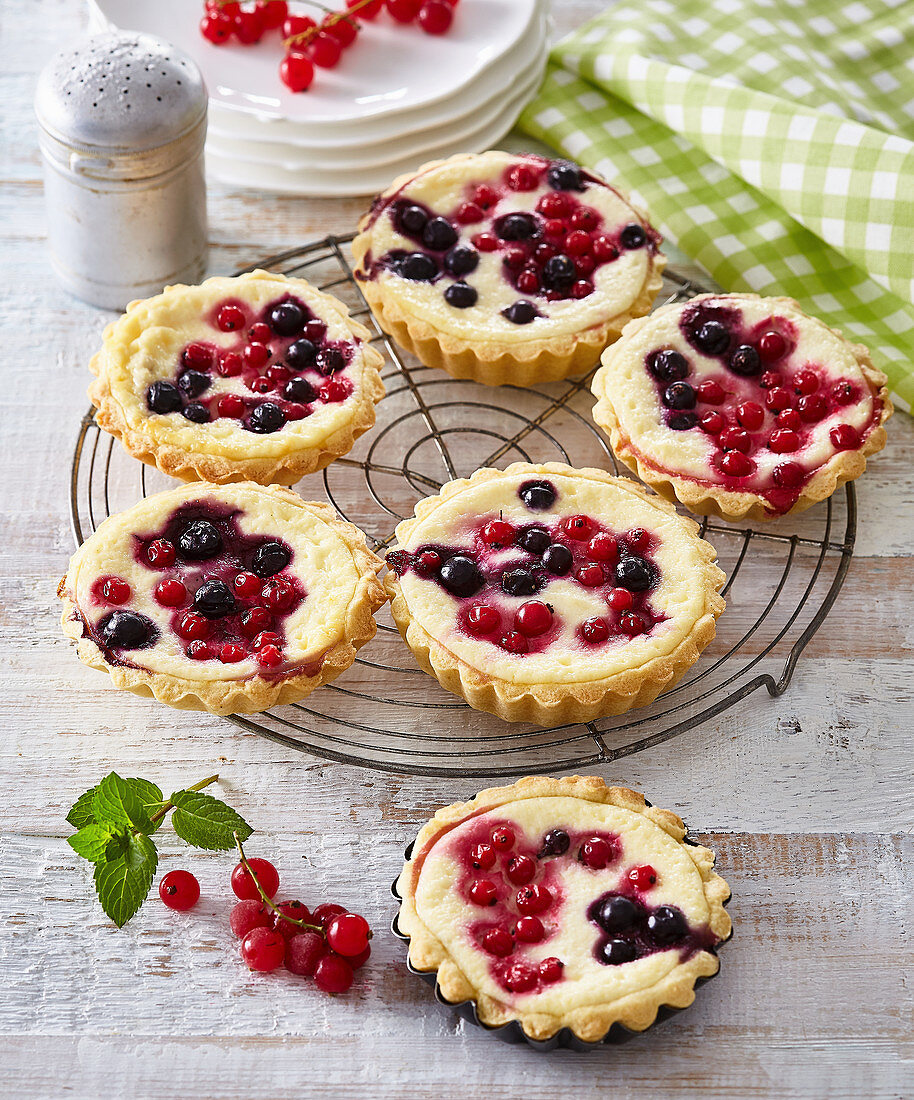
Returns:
<point x="807" y="799"/>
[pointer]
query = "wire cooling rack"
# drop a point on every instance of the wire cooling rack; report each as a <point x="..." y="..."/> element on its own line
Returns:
<point x="384" y="712"/>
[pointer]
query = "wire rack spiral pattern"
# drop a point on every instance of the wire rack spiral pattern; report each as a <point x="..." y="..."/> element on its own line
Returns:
<point x="386" y="713"/>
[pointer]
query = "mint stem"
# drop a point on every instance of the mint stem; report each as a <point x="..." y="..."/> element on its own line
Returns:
<point x="268" y="901"/>
<point x="169" y="805"/>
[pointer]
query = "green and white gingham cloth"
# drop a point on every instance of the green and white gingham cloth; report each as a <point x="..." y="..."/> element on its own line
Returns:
<point x="771" y="140"/>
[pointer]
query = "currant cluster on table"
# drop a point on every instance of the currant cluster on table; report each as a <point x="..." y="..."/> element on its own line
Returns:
<point x="327" y="943"/>
<point x="310" y="44"/>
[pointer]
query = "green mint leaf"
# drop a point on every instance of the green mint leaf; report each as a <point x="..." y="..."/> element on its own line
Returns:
<point x="151" y="797"/>
<point x="206" y="822"/>
<point x="117" y="845"/>
<point x="91" y="842"/>
<point x="116" y="803"/>
<point x="81" y="811"/>
<point x="122" y="884"/>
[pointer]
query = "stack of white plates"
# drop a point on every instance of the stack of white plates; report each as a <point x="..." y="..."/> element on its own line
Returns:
<point x="398" y="97"/>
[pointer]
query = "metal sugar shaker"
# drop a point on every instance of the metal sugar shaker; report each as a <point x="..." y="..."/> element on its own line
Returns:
<point x="122" y="121"/>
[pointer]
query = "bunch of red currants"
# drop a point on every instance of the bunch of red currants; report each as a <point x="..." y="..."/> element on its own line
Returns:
<point x="309" y="43"/>
<point x="327" y="943"/>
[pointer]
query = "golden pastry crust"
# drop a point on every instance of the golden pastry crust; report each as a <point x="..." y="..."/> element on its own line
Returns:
<point x="707" y="499"/>
<point x="527" y="361"/>
<point x="116" y="407"/>
<point x="252" y="693"/>
<point x="636" y="1010"/>
<point x="560" y="703"/>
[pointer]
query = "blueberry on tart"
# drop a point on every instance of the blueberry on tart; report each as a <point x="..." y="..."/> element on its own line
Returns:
<point x="230" y="599"/>
<point x="506" y="268"/>
<point x="549" y="594"/>
<point x="741" y="406"/>
<point x="562" y="903"/>
<point x="258" y="377"/>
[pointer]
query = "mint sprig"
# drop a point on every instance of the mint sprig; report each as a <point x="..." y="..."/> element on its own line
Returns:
<point x="115" y="820"/>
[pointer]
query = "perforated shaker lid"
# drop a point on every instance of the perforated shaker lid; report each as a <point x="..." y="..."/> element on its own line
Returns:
<point x="123" y="92"/>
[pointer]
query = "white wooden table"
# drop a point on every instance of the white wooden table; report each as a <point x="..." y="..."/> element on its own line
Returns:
<point x="807" y="798"/>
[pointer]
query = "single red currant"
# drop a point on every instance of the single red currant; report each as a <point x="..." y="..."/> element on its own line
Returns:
<point x="232" y="406"/>
<point x="577" y="243"/>
<point x="551" y="969"/>
<point x="806" y="382"/>
<point x="343" y="30"/>
<point x="712" y="423"/>
<point x="435" y="17"/>
<point x="266" y="637"/>
<point x="199" y="356"/>
<point x="533" y="899"/>
<point x="514" y="642"/>
<point x="248" y="915"/>
<point x="485" y="242"/>
<point x="844" y="437"/>
<point x="231" y="654"/>
<point x="486" y="196"/>
<point x="789" y="418"/>
<point x="263" y="949"/>
<point x="497" y="533"/>
<point x="295" y="911"/>
<point x="711" y="392"/>
<point x="789" y="475"/>
<point x="590" y="574"/>
<point x="554" y="204"/>
<point x="324" y="50"/>
<point x="643" y="878"/>
<point x="778" y="399"/>
<point x="324" y="913"/>
<point x="269" y="657"/>
<point x="521" y="977"/>
<point x="297" y="24"/>
<point x="621" y="599"/>
<point x="750" y="415"/>
<point x="249" y="27"/>
<point x="594" y="630"/>
<point x="605" y="249"/>
<point x="523" y="177"/>
<point x="170" y="593"/>
<point x="230" y="318"/>
<point x="498" y="942"/>
<point x="254" y="621"/>
<point x="533" y="618"/>
<point x="278" y="374"/>
<point x="179" y="890"/>
<point x="483" y="892"/>
<point x="581" y="289"/>
<point x="771" y="346"/>
<point x="255" y="355"/>
<point x="631" y="624"/>
<point x="597" y="852"/>
<point x="404" y="11"/>
<point x="783" y="441"/>
<point x="480" y="619"/>
<point x="503" y="838"/>
<point x="216" y="29"/>
<point x="115" y="591"/>
<point x="348" y="934"/>
<point x="160" y="553"/>
<point x="468" y="213"/>
<point x="812" y="407"/>
<point x="199" y="651"/>
<point x="229" y="364"/>
<point x="303" y="952"/>
<point x="736" y="439"/>
<point x="273" y="13"/>
<point x="581" y="528"/>
<point x="296" y="72"/>
<point x="520" y="870"/>
<point x="530" y="930"/>
<point x="603" y="547"/>
<point x="279" y="593"/>
<point x="244" y="886"/>
<point x="192" y="625"/>
<point x="333" y="974"/>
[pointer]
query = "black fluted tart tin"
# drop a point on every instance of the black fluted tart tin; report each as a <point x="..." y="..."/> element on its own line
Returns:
<point x="512" y="1032"/>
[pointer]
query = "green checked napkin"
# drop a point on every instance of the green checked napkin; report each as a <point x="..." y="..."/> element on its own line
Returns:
<point x="771" y="140"/>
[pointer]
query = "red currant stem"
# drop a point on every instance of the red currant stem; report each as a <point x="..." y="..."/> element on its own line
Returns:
<point x="159" y="814"/>
<point x="268" y="901"/>
<point x="332" y="19"/>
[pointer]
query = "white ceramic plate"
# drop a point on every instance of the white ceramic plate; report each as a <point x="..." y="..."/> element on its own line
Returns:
<point x="316" y="180"/>
<point x="378" y="154"/>
<point x="492" y="86"/>
<point x="391" y="68"/>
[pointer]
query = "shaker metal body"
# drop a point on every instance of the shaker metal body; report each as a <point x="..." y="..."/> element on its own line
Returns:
<point x="122" y="123"/>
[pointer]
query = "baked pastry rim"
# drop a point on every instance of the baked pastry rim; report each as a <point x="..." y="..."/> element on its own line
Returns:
<point x="256" y="693"/>
<point x="556" y="704"/>
<point x="190" y="465"/>
<point x="520" y="362"/>
<point x="705" y="499"/>
<point x="591" y="1023"/>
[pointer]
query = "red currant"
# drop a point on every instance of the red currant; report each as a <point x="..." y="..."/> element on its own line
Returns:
<point x="216" y="29"/>
<point x="192" y="625"/>
<point x="199" y="651"/>
<point x="585" y="217"/>
<point x="584" y="265"/>
<point x="520" y="870"/>
<point x="260" y="333"/>
<point x="324" y="913"/>
<point x="348" y="934"/>
<point x="844" y="437"/>
<point x="551" y="969"/>
<point x="605" y="249"/>
<point x="278" y="374"/>
<point x="603" y="547"/>
<point x="116" y="591"/>
<point x="579" y="527"/>
<point x="229" y="364"/>
<point x="255" y="355"/>
<point x="249" y="27"/>
<point x="497" y="533"/>
<point x="427" y="563"/>
<point x="297" y="24"/>
<point x="303" y="952"/>
<point x="269" y="657"/>
<point x="783" y="441"/>
<point x="468" y="213"/>
<point x="771" y="346"/>
<point x="597" y="853"/>
<point x="272" y="12"/>
<point x="736" y="439"/>
<point x="812" y="407"/>
<point x="170" y="593"/>
<point x="482" y="857"/>
<point x="631" y="624"/>
<point x="503" y="838"/>
<point x="324" y="50"/>
<point x="198" y="355"/>
<point x="294" y="910"/>
<point x="514" y="642"/>
<point x="336" y="389"/>
<point x="528" y="282"/>
<point x="533" y="899"/>
<point x="777" y="399"/>
<point x="523" y="177"/>
<point x="590" y="574"/>
<point x="554" y="204"/>
<point x="554" y="230"/>
<point x="370" y="11"/>
<point x="160" y="553"/>
<point x="355" y="961"/>
<point x="594" y="631"/>
<point x="229" y="318"/>
<point x="481" y="619"/>
<point x="533" y="618"/>
<point x="254" y="621"/>
<point x="530" y="930"/>
<point x="789" y="475"/>
<point x="279" y="593"/>
<point x="805" y="382"/>
<point x="231" y="405"/>
<point x="244" y="886"/>
<point x="643" y="878"/>
<point x="712" y="423"/>
<point x="710" y="392"/>
<point x="750" y="415"/>
<point x="789" y="418"/>
<point x="231" y="654"/>
<point x="248" y="915"/>
<point x="486" y="242"/>
<point x="435" y="17"/>
<point x="769" y="379"/>
<point x="246" y="584"/>
<point x="343" y="30"/>
<point x="266" y="637"/>
<point x="404" y="11"/>
<point x="483" y="892"/>
<point x="498" y="942"/>
<point x="296" y="72"/>
<point x="581" y="289"/>
<point x="179" y="890"/>
<point x="520" y="978"/>
<point x="577" y="243"/>
<point x="333" y="974"/>
<point x="620" y="599"/>
<point x="263" y="949"/>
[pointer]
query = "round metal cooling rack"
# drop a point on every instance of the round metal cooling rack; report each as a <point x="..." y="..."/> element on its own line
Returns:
<point x="384" y="712"/>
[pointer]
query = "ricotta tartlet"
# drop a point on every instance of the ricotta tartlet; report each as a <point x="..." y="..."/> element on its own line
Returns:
<point x="741" y="406"/>
<point x="550" y="595"/>
<point x="258" y="377"/>
<point x="229" y="599"/>
<point x="562" y="904"/>
<point x="506" y="268"/>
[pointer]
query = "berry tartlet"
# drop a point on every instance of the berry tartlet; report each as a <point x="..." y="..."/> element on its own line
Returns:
<point x="506" y="268"/>
<point x="230" y="599"/>
<point x="740" y="406"/>
<point x="254" y="378"/>
<point x="548" y="594"/>
<point x="562" y="904"/>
